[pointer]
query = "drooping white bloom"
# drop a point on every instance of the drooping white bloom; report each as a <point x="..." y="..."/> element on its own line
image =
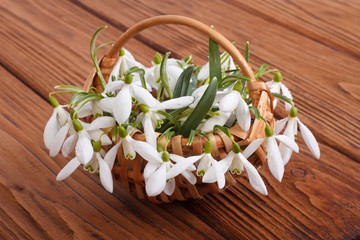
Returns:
<point x="273" y="154"/>
<point x="159" y="176"/>
<point x="95" y="164"/>
<point x="219" y="118"/>
<point x="276" y="86"/>
<point x="233" y="101"/>
<point x="291" y="131"/>
<point x="123" y="101"/>
<point x="150" y="118"/>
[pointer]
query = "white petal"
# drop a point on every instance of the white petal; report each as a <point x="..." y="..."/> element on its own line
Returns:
<point x="170" y="187"/>
<point x="181" y="166"/>
<point x="199" y="91"/>
<point x="149" y="130"/>
<point x="59" y="139"/>
<point x="144" y="96"/>
<point x="204" y="72"/>
<point x="105" y="174"/>
<point x="111" y="155"/>
<point x="175" y="103"/>
<point x="252" y="147"/>
<point x="105" y="139"/>
<point x="112" y="86"/>
<point x="69" y="145"/>
<point x="146" y="151"/>
<point x="149" y="169"/>
<point x="116" y="69"/>
<point x="84" y="150"/>
<point x="288" y="142"/>
<point x="275" y="161"/>
<point x="107" y="104"/>
<point x="85" y="111"/>
<point x="189" y="176"/>
<point x="310" y="140"/>
<point x="63" y="115"/>
<point x="51" y="128"/>
<point x="243" y="115"/>
<point x="226" y="162"/>
<point x="68" y="169"/>
<point x="254" y="177"/>
<point x="173" y="73"/>
<point x="217" y="120"/>
<point x="229" y="102"/>
<point x="102" y="122"/>
<point x="128" y="149"/>
<point x="280" y="124"/>
<point x="156" y="182"/>
<point x="122" y="105"/>
<point x="285" y="151"/>
<point x="219" y="175"/>
<point x="176" y="158"/>
<point x="285" y="91"/>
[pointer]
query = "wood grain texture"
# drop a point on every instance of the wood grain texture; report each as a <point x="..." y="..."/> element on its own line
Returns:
<point x="316" y="46"/>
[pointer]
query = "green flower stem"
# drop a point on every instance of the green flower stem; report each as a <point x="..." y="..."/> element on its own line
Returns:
<point x="163" y="75"/>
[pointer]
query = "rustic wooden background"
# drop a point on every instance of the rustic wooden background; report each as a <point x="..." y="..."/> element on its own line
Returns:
<point x="315" y="44"/>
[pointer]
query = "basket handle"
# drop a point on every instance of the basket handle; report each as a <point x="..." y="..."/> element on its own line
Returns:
<point x="109" y="59"/>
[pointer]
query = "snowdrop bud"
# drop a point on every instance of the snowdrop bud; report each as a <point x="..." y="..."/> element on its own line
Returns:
<point x="208" y="147"/>
<point x="236" y="148"/>
<point x="157" y="58"/>
<point x="188" y="59"/>
<point x="77" y="125"/>
<point x="293" y="112"/>
<point x="53" y="101"/>
<point x="73" y="114"/>
<point x="238" y="87"/>
<point x="128" y="79"/>
<point x="165" y="156"/>
<point x="144" y="108"/>
<point x="268" y="131"/>
<point x="277" y="77"/>
<point x="159" y="148"/>
<point x="122" y="132"/>
<point x="122" y="52"/>
<point x="97" y="146"/>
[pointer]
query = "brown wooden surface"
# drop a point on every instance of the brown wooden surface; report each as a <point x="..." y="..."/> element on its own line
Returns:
<point x="316" y="46"/>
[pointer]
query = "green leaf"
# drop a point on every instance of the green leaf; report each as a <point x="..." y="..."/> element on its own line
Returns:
<point x="183" y="82"/>
<point x="201" y="109"/>
<point x="69" y="88"/>
<point x="91" y="96"/>
<point x="94" y="59"/>
<point x="233" y="78"/>
<point x="214" y="60"/>
<point x="247" y="51"/>
<point x="255" y="111"/>
<point x="259" y="72"/>
<point x="192" y="85"/>
<point x="163" y="75"/>
<point x="170" y="118"/>
<point x="286" y="99"/>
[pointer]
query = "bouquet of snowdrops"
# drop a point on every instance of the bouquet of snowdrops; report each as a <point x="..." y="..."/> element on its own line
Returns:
<point x="172" y="97"/>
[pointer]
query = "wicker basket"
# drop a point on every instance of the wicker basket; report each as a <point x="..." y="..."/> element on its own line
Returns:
<point x="129" y="172"/>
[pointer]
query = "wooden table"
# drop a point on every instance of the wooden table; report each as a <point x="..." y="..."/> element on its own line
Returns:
<point x="315" y="44"/>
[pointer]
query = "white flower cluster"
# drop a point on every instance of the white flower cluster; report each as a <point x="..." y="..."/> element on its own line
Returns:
<point x="135" y="99"/>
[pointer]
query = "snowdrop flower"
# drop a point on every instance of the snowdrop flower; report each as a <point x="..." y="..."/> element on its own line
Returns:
<point x="275" y="86"/>
<point x="234" y="101"/>
<point x="96" y="163"/>
<point x="56" y="128"/>
<point x="124" y="63"/>
<point x="123" y="101"/>
<point x="235" y="162"/>
<point x="274" y="158"/>
<point x="151" y="119"/>
<point x="131" y="147"/>
<point x="291" y="131"/>
<point x="159" y="176"/>
<point x="219" y="118"/>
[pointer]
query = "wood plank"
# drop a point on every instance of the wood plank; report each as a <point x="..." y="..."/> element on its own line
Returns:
<point x="317" y="199"/>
